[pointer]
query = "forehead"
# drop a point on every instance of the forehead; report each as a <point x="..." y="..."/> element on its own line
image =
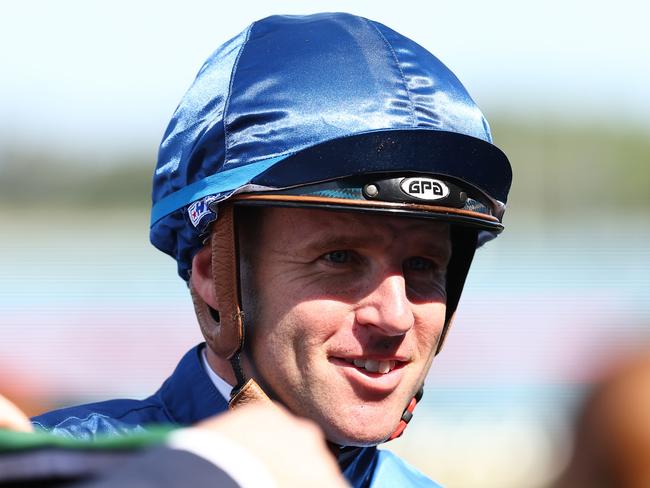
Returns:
<point x="301" y="227"/>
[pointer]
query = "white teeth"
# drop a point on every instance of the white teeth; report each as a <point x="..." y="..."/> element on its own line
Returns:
<point x="374" y="366"/>
<point x="384" y="367"/>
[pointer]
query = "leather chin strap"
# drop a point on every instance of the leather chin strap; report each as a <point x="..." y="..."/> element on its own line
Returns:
<point x="224" y="329"/>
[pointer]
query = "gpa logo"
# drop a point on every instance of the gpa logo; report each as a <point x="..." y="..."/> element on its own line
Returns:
<point x="424" y="188"/>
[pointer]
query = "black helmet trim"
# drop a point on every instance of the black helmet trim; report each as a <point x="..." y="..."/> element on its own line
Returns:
<point x="464" y="158"/>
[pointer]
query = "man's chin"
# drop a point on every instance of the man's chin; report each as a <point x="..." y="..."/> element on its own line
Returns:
<point x="356" y="435"/>
<point x="364" y="424"/>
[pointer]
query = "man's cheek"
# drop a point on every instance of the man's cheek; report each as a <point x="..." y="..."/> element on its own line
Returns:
<point x="429" y="328"/>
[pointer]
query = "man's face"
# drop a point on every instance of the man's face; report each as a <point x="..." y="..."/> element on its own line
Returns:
<point x="348" y="311"/>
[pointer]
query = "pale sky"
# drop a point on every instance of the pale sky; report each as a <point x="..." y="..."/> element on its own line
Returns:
<point x="104" y="77"/>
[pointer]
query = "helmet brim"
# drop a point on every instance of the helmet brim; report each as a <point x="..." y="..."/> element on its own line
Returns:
<point x="464" y="158"/>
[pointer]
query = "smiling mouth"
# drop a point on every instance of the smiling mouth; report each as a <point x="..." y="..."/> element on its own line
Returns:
<point x="374" y="365"/>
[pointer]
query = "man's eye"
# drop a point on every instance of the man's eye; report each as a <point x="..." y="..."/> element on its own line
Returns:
<point x="338" y="257"/>
<point x="417" y="263"/>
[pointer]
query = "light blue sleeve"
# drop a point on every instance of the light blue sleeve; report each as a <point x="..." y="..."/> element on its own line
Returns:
<point x="391" y="472"/>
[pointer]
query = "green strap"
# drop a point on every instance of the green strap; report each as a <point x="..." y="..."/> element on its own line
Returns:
<point x="17" y="441"/>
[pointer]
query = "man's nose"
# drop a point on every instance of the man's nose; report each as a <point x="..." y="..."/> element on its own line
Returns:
<point x="387" y="307"/>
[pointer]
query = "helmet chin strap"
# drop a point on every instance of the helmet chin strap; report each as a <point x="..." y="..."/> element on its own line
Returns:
<point x="224" y="329"/>
<point x="407" y="415"/>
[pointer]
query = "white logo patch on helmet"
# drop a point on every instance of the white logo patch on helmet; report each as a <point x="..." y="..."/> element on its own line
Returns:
<point x="424" y="188"/>
<point x="200" y="209"/>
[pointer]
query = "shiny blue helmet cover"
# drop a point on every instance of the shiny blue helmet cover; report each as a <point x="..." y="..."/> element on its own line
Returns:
<point x="291" y="83"/>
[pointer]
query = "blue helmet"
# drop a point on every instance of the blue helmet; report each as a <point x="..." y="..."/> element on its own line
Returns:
<point x="300" y="100"/>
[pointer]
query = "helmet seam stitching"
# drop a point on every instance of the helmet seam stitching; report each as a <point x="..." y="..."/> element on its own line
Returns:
<point x="230" y="85"/>
<point x="401" y="72"/>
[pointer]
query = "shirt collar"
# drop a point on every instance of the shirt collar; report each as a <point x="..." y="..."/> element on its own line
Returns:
<point x="224" y="388"/>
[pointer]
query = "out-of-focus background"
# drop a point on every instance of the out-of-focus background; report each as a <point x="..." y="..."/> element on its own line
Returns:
<point x="89" y="310"/>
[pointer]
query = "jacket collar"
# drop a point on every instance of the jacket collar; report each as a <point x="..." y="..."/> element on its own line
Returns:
<point x="189" y="395"/>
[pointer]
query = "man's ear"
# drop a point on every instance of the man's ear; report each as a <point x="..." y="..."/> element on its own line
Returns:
<point x="204" y="297"/>
<point x="201" y="280"/>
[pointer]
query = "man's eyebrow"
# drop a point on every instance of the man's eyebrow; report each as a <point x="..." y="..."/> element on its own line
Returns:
<point x="324" y="241"/>
<point x="328" y="241"/>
